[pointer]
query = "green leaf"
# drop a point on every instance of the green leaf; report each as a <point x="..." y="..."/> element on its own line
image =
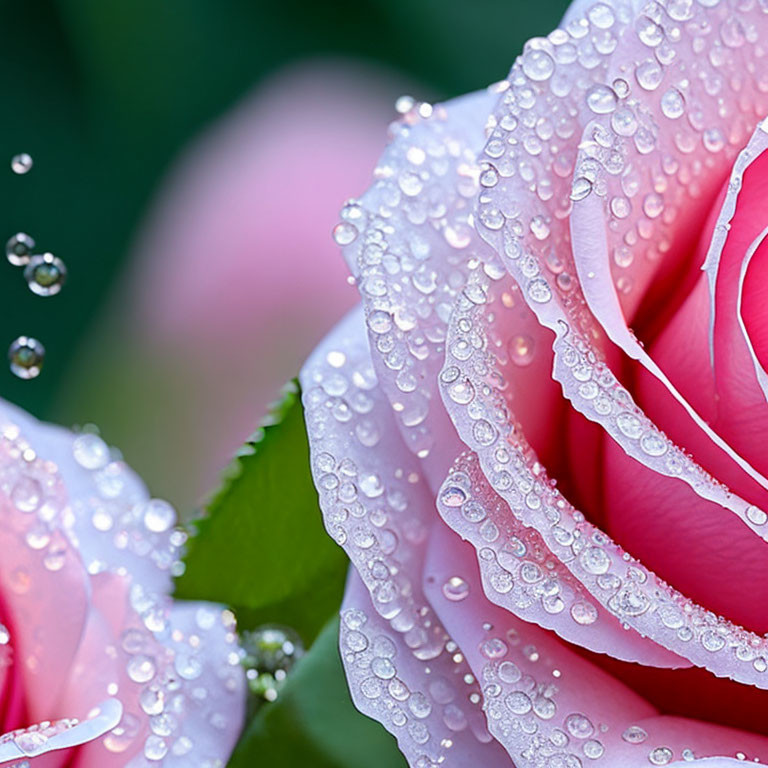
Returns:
<point x="262" y="548"/>
<point x="313" y="721"/>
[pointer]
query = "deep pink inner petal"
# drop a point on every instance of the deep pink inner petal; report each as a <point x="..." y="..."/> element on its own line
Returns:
<point x="722" y="564"/>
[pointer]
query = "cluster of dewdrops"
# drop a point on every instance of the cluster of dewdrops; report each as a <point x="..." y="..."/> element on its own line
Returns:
<point x="45" y="275"/>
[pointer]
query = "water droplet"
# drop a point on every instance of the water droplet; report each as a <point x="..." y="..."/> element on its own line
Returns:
<point x="18" y="249"/>
<point x="45" y="274"/>
<point x="581" y="188"/>
<point x="579" y="726"/>
<point x="90" y="451"/>
<point x="601" y="99"/>
<point x="21" y="163"/>
<point x="404" y="104"/>
<point x="539" y="291"/>
<point x="756" y="515"/>
<point x="595" y="560"/>
<point x="594" y="749"/>
<point x="672" y="103"/>
<point x="155" y="748"/>
<point x="158" y="515"/>
<point x="26" y="356"/>
<point x="660" y="756"/>
<point x="453" y="496"/>
<point x="518" y="702"/>
<point x="521" y="350"/>
<point x="635" y="735"/>
<point x="649" y="74"/>
<point x="271" y="651"/>
<point x="345" y="233"/>
<point x="584" y="613"/>
<point x="649" y="32"/>
<point x="538" y="64"/>
<point x="141" y="668"/>
<point x="455" y="589"/>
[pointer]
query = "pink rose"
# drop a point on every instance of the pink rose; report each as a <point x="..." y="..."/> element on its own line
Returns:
<point x="98" y="666"/>
<point x="541" y="437"/>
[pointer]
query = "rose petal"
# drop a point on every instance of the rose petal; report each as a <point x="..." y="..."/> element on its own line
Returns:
<point x="81" y="638"/>
<point x="420" y="701"/>
<point x="543" y="702"/>
<point x="521" y="575"/>
<point x="628" y="589"/>
<point x="377" y="505"/>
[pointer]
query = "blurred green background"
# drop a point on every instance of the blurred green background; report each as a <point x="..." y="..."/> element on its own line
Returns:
<point x="105" y="93"/>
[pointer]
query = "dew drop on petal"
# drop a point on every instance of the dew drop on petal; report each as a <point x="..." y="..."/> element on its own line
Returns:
<point x="756" y="515"/>
<point x="345" y="233"/>
<point x="158" y="515"/>
<point x="26" y="356"/>
<point x="90" y="451"/>
<point x="660" y="756"/>
<point x="634" y="735"/>
<point x="455" y="589"/>
<point x="538" y="64"/>
<point x="601" y="99"/>
<point x="521" y="350"/>
<point x="672" y="103"/>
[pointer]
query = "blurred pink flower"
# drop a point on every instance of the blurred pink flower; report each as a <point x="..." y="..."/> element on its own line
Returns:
<point x="236" y="276"/>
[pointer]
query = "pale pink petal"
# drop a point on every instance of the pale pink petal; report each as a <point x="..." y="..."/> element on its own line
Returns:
<point x="377" y="504"/>
<point x="520" y="574"/>
<point x="422" y="702"/>
<point x="629" y="590"/>
<point x="81" y="636"/>
<point x="544" y="702"/>
<point x="409" y="240"/>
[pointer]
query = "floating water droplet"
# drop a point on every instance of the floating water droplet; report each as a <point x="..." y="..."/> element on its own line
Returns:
<point x="455" y="589"/>
<point x="271" y="651"/>
<point x="21" y="163"/>
<point x="18" y="249"/>
<point x="26" y="356"/>
<point x="45" y="274"/>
